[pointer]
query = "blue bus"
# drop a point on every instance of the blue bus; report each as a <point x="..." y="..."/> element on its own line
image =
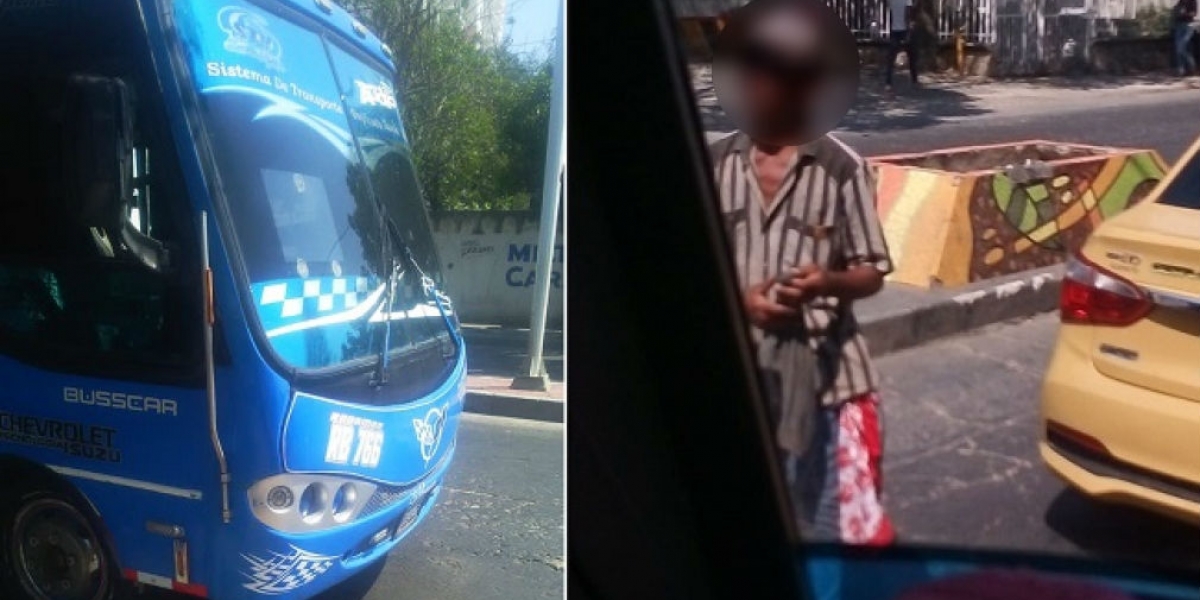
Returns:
<point x="229" y="368"/>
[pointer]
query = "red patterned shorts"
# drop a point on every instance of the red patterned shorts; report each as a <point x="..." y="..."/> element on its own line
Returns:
<point x="861" y="516"/>
<point x="837" y="487"/>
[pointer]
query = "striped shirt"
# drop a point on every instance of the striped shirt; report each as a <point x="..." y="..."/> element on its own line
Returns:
<point x="823" y="214"/>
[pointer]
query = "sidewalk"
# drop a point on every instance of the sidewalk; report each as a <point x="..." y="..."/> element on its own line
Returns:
<point x="495" y="355"/>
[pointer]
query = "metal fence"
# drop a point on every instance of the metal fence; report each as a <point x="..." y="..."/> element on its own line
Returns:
<point x="976" y="19"/>
<point x="872" y="20"/>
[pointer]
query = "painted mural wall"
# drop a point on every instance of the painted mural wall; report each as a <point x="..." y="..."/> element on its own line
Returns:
<point x="489" y="260"/>
<point x="948" y="227"/>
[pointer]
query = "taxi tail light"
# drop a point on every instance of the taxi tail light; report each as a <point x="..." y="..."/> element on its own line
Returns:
<point x="1095" y="296"/>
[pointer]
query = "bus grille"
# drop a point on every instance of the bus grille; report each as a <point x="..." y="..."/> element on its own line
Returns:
<point x="387" y="495"/>
<point x="410" y="516"/>
<point x="383" y="498"/>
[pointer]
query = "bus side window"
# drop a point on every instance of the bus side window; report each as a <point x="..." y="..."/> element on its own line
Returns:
<point x="148" y="301"/>
<point x="93" y="284"/>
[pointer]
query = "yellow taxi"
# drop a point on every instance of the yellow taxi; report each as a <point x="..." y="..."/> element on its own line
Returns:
<point x="1121" y="397"/>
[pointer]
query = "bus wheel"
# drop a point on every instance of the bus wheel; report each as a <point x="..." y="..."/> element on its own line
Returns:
<point x="51" y="551"/>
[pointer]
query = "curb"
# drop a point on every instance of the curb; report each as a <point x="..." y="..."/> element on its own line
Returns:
<point x="514" y="406"/>
<point x="948" y="312"/>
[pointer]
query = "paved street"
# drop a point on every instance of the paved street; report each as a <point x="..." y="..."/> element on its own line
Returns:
<point x="961" y="466"/>
<point x="1152" y="111"/>
<point x="1157" y="121"/>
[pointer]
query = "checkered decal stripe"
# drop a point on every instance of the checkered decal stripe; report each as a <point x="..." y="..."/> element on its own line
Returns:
<point x="281" y="302"/>
<point x="282" y="573"/>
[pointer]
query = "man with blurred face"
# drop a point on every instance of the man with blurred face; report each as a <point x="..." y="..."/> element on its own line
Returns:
<point x="800" y="211"/>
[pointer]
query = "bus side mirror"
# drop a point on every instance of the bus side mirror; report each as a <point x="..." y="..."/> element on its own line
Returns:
<point x="99" y="151"/>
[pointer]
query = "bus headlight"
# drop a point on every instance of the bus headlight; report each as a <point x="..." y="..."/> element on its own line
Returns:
<point x="305" y="503"/>
<point x="314" y="501"/>
<point x="344" y="502"/>
<point x="280" y="498"/>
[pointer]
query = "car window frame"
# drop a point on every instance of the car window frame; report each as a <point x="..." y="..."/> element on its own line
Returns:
<point x="710" y="447"/>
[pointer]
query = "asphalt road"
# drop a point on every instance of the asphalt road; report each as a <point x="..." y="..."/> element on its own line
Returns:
<point x="1167" y="122"/>
<point x="961" y="466"/>
<point x="496" y="531"/>
<point x="937" y="117"/>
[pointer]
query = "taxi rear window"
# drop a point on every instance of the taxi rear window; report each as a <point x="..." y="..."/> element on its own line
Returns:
<point x="1184" y="192"/>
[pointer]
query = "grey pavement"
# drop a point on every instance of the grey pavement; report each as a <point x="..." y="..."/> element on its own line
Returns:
<point x="961" y="465"/>
<point x="946" y="100"/>
<point x="495" y="357"/>
<point x="1164" y="121"/>
<point x="1146" y="112"/>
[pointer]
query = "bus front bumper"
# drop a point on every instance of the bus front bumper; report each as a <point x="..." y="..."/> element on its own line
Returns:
<point x="298" y="566"/>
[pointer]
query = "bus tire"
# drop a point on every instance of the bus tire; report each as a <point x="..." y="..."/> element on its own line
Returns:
<point x="49" y="548"/>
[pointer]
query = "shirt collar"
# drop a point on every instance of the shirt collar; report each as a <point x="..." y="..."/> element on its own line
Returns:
<point x="742" y="144"/>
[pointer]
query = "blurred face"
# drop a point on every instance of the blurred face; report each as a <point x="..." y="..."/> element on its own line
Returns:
<point x="785" y="71"/>
<point x="779" y="91"/>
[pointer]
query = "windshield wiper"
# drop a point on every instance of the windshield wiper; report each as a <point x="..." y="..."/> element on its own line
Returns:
<point x="428" y="287"/>
<point x="380" y="378"/>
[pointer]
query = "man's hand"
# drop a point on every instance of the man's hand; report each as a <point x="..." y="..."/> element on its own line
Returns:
<point x="804" y="284"/>
<point x="764" y="312"/>
<point x="810" y="282"/>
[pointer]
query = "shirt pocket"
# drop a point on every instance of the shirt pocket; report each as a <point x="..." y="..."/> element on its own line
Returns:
<point x="811" y="241"/>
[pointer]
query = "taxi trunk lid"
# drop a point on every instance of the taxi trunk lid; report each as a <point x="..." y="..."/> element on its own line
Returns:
<point x="1154" y="247"/>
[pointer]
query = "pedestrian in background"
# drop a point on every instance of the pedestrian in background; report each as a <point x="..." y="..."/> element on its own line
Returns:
<point x="799" y="208"/>
<point x="1184" y="15"/>
<point x="901" y="12"/>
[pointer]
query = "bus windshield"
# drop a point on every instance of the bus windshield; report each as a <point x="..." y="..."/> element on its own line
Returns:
<point x="308" y="144"/>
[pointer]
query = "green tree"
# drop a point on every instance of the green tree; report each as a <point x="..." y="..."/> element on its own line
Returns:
<point x="477" y="117"/>
<point x="447" y="95"/>
<point x="523" y="104"/>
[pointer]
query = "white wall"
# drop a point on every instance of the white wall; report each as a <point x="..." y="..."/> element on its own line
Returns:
<point x="489" y="261"/>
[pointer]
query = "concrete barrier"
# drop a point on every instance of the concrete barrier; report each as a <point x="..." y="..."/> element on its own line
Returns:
<point x="967" y="214"/>
<point x="489" y="261"/>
